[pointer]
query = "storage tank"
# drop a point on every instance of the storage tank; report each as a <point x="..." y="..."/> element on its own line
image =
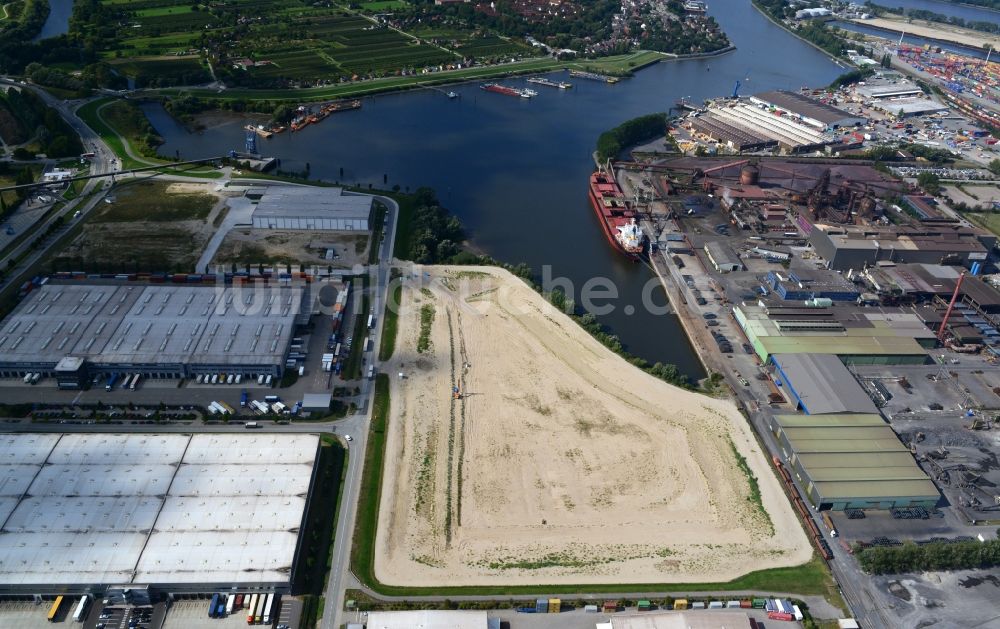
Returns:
<point x="749" y="175"/>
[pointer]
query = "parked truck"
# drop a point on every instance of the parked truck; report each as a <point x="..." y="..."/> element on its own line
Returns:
<point x="829" y="523"/>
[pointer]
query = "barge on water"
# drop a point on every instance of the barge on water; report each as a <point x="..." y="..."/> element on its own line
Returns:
<point x="617" y="219"/>
<point x="538" y="80"/>
<point x="593" y="76"/>
<point x="305" y="118"/>
<point x="508" y="91"/>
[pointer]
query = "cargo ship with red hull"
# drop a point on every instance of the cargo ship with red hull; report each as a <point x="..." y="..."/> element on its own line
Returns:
<point x="617" y="219"/>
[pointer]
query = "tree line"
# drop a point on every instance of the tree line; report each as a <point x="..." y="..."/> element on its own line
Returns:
<point x="26" y="117"/>
<point x="911" y="557"/>
<point x="611" y="143"/>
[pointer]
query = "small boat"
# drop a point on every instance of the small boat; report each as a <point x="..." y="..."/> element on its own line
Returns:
<point x="452" y="95"/>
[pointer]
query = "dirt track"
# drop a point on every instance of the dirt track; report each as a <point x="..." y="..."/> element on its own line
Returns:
<point x="560" y="462"/>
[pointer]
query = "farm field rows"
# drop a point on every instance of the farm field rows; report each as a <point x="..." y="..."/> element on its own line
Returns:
<point x="288" y="42"/>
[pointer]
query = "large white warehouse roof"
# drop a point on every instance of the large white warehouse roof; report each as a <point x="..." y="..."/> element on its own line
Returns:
<point x="152" y="508"/>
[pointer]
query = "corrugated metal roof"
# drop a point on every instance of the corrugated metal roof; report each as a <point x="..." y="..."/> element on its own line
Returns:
<point x="876" y="490"/>
<point x="843" y="419"/>
<point x="823" y="384"/>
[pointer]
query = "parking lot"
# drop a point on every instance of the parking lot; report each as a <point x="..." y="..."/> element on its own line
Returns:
<point x="193" y="614"/>
<point x="29" y="615"/>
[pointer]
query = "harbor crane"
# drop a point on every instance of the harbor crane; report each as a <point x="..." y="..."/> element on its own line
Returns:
<point x="736" y="89"/>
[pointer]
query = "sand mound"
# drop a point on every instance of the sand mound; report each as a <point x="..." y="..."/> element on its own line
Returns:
<point x="559" y="462"/>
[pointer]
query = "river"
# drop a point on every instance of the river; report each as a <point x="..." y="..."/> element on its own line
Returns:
<point x="58" y="21"/>
<point x="515" y="171"/>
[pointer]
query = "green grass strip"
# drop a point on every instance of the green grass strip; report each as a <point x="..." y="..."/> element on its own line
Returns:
<point x="390" y="321"/>
<point x="366" y="523"/>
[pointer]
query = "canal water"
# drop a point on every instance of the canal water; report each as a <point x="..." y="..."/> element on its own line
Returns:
<point x="965" y="11"/>
<point x="913" y="40"/>
<point x="58" y="21"/>
<point x="515" y="171"/>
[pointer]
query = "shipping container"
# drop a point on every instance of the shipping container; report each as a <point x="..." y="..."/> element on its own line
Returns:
<point x="644" y="605"/>
<point x="267" y="609"/>
<point x="715" y="605"/>
<point x="54" y="610"/>
<point x="251" y="608"/>
<point x="542" y="605"/>
<point x="213" y="605"/>
<point x="591" y="609"/>
<point x="758" y="603"/>
<point x="555" y="605"/>
<point x="258" y="614"/>
<point x="610" y="606"/>
<point x="81" y="609"/>
<point x="680" y="603"/>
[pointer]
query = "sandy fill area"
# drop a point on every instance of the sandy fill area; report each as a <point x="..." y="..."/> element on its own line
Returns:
<point x="559" y="462"/>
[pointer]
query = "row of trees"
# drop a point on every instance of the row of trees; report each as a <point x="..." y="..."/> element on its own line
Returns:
<point x="631" y="132"/>
<point x="931" y="16"/>
<point x="26" y="117"/>
<point x="435" y="235"/>
<point x="911" y="557"/>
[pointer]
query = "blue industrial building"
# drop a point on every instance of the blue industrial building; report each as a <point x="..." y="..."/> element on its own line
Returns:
<point x="803" y="284"/>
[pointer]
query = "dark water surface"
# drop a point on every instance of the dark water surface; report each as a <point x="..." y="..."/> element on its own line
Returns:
<point x="58" y="21"/>
<point x="515" y="171"/>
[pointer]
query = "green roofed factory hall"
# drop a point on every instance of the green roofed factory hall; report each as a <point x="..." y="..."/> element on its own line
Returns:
<point x="852" y="462"/>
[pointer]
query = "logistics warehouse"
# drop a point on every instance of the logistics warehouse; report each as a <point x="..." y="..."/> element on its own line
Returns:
<point x="157" y="513"/>
<point x="161" y="331"/>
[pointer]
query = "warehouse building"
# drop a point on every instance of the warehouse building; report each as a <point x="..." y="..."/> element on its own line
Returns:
<point x="306" y="208"/>
<point x="431" y="619"/>
<point x="803" y="284"/>
<point x="760" y="128"/>
<point x="722" y="257"/>
<point x="736" y="135"/>
<point x="909" y="107"/>
<point x="852" y="462"/>
<point x="820" y="384"/>
<point x="170" y="513"/>
<point x="807" y="110"/>
<point x="714" y="619"/>
<point x="854" y="247"/>
<point x="878" y="89"/>
<point x="879" y="336"/>
<point x="158" y="330"/>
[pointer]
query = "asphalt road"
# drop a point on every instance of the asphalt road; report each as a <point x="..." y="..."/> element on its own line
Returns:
<point x="357" y="426"/>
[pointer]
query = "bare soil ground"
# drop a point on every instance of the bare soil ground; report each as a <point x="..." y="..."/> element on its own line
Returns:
<point x="253" y="246"/>
<point x="151" y="226"/>
<point x="559" y="462"/>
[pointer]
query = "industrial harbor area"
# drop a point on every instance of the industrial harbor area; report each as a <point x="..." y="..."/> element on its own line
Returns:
<point x="698" y="328"/>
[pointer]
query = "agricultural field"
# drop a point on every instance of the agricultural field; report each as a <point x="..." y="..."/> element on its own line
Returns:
<point x="163" y="71"/>
<point x="150" y="226"/>
<point x="290" y="42"/>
